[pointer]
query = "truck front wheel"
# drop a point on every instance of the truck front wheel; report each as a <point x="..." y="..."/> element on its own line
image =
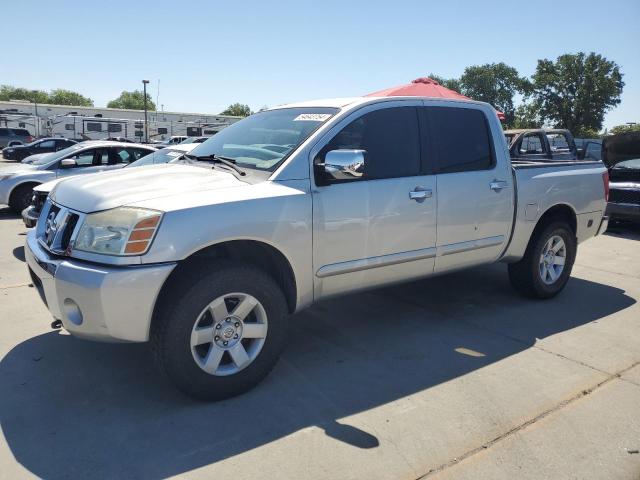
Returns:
<point x="546" y="266"/>
<point x="222" y="333"/>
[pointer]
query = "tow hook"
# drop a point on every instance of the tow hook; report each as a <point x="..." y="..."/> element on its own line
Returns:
<point x="56" y="324"/>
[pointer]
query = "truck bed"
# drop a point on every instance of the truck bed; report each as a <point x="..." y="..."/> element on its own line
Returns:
<point x="541" y="184"/>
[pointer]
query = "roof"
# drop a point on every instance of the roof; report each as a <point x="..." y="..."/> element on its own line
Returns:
<point x="357" y="101"/>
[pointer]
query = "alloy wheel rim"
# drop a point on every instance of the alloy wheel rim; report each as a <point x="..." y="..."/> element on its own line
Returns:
<point x="552" y="260"/>
<point x="229" y="334"/>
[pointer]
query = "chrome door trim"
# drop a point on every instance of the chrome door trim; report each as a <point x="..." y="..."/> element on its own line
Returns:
<point x="375" y="262"/>
<point x="452" y="248"/>
<point x="404" y="257"/>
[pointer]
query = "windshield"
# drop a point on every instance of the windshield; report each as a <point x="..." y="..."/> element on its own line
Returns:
<point x="633" y="164"/>
<point x="161" y="156"/>
<point x="263" y="140"/>
<point x="59" y="154"/>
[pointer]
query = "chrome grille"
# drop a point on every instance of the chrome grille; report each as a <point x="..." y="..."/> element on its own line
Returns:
<point x="56" y="227"/>
<point x="624" y="196"/>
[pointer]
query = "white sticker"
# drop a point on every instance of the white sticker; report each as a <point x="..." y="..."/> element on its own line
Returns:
<point x="312" y="117"/>
<point x="174" y="154"/>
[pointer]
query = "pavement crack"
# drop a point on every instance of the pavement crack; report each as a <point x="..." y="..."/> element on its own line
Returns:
<point x="522" y="426"/>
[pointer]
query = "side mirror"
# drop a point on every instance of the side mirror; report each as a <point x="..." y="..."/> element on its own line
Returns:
<point x="344" y="164"/>
<point x="68" y="163"/>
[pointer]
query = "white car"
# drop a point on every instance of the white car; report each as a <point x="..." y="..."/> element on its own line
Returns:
<point x="17" y="181"/>
<point x="41" y="192"/>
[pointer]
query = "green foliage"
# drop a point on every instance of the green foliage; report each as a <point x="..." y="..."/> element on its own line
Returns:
<point x="132" y="101"/>
<point x="55" y="97"/>
<point x="496" y="84"/>
<point x="577" y="90"/>
<point x="450" y="83"/>
<point x="237" y="110"/>
<point x="61" y="96"/>
<point x="526" y="115"/>
<point x="625" y="129"/>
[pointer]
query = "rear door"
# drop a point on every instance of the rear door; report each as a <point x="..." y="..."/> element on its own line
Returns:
<point x="475" y="205"/>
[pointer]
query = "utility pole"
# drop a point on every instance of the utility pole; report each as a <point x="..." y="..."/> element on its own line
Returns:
<point x="146" y="127"/>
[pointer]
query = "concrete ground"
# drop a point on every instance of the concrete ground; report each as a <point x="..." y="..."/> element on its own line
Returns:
<point x="452" y="377"/>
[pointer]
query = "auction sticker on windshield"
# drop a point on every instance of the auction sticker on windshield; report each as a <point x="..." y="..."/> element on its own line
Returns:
<point x="312" y="117"/>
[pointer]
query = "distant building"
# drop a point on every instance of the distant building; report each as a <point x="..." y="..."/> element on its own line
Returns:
<point x="84" y="123"/>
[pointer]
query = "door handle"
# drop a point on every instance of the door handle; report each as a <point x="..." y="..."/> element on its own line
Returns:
<point x="498" y="185"/>
<point x="420" y="194"/>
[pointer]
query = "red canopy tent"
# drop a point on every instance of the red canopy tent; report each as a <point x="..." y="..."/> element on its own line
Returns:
<point x="423" y="87"/>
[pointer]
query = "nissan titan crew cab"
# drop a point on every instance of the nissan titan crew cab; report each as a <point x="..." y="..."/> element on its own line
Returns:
<point x="208" y="258"/>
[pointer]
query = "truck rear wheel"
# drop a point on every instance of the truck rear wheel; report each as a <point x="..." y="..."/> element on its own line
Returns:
<point x="546" y="266"/>
<point x="222" y="333"/>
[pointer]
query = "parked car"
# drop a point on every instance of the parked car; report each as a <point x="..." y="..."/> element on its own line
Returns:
<point x="43" y="145"/>
<point x="41" y="192"/>
<point x="589" y="148"/>
<point x="174" y="140"/>
<point x="541" y="144"/>
<point x="17" y="181"/>
<point x="14" y="136"/>
<point x="621" y="155"/>
<point x="194" y="140"/>
<point x="206" y="260"/>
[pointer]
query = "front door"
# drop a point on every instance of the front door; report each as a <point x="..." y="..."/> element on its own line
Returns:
<point x="475" y="196"/>
<point x="373" y="230"/>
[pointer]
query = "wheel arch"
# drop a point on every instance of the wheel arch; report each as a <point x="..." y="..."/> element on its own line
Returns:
<point x="32" y="183"/>
<point x="559" y="211"/>
<point x="253" y="252"/>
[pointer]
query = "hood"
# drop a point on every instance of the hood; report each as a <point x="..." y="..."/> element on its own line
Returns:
<point x="46" y="187"/>
<point x="17" y="168"/>
<point x="92" y="193"/>
<point x="621" y="147"/>
<point x="33" y="158"/>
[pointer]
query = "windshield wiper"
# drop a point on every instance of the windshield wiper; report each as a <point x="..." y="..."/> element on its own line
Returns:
<point x="228" y="161"/>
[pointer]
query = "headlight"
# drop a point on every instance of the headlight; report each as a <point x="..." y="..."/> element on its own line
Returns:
<point x="121" y="231"/>
<point x="8" y="150"/>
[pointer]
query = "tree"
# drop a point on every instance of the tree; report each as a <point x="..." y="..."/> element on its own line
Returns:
<point x="67" y="97"/>
<point x="634" y="127"/>
<point x="237" y="110"/>
<point x="450" y="83"/>
<point x="132" y="101"/>
<point x="576" y="90"/>
<point x="496" y="84"/>
<point x="526" y="115"/>
<point x="57" y="97"/>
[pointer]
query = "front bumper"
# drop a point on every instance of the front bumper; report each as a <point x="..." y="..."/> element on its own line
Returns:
<point x="97" y="302"/>
<point x="30" y="216"/>
<point x="624" y="211"/>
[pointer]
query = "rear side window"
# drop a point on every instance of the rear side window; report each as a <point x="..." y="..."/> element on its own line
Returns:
<point x="532" y="144"/>
<point x="462" y="139"/>
<point x="21" y="132"/>
<point x="4" y="131"/>
<point x="559" y="142"/>
<point x="389" y="136"/>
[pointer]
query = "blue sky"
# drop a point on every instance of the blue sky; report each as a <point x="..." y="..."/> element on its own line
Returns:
<point x="208" y="54"/>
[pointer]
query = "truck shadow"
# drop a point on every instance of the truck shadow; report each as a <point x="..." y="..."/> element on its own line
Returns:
<point x="7" y="214"/>
<point x="71" y="408"/>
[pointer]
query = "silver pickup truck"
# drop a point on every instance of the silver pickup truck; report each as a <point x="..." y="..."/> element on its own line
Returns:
<point x="207" y="260"/>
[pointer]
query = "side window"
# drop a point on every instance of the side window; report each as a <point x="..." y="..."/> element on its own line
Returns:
<point x="122" y="155"/>
<point x="94" y="127"/>
<point x="531" y="144"/>
<point x="463" y="139"/>
<point x="559" y="142"/>
<point x="138" y="153"/>
<point x="390" y="138"/>
<point x="47" y="144"/>
<point x="84" y="158"/>
<point x="593" y="151"/>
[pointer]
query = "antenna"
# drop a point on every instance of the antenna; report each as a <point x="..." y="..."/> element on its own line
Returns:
<point x="158" y="93"/>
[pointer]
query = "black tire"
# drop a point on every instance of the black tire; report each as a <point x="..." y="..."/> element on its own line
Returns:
<point x="196" y="288"/>
<point x="525" y="275"/>
<point x="21" y="197"/>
